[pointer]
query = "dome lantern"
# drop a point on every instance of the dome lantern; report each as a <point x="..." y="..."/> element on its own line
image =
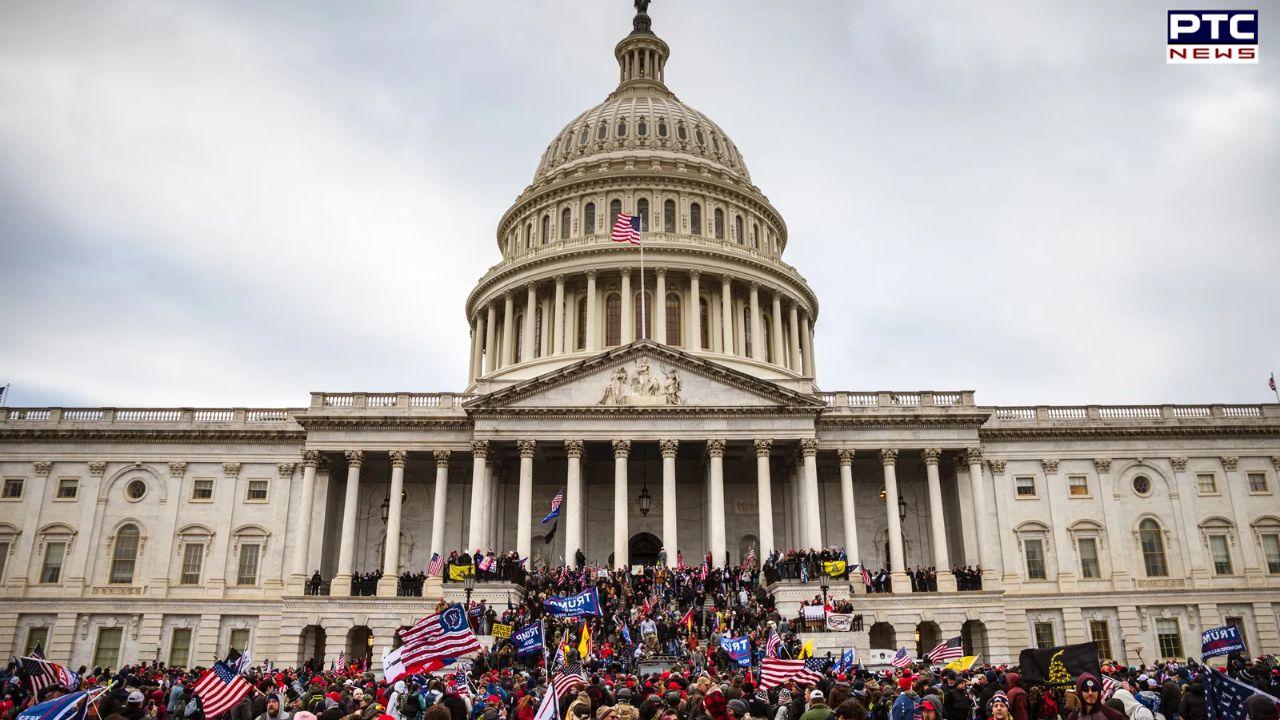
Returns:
<point x="642" y="56"/>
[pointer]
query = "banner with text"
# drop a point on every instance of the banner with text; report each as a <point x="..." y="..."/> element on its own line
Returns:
<point x="1220" y="641"/>
<point x="739" y="649"/>
<point x="586" y="602"/>
<point x="528" y="639"/>
<point x="839" y="622"/>
<point x="502" y="631"/>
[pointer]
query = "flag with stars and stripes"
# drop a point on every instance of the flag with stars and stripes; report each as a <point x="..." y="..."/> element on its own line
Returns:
<point x="947" y="651"/>
<point x="568" y="678"/>
<point x="220" y="689"/>
<point x="627" y="229"/>
<point x="554" y="513"/>
<point x="73" y="706"/>
<point x="901" y="659"/>
<point x="773" y="647"/>
<point x="1225" y="696"/>
<point x="750" y="562"/>
<point x="776" y="671"/>
<point x="435" y="568"/>
<point x="41" y="673"/>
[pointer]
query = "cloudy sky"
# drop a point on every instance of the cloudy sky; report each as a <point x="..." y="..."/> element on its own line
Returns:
<point x="236" y="203"/>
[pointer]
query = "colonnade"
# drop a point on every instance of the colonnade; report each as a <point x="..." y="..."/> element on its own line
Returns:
<point x="748" y="320"/>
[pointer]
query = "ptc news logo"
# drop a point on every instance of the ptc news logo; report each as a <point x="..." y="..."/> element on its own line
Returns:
<point x="1212" y="37"/>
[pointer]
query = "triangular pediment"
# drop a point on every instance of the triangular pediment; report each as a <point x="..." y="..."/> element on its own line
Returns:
<point x="645" y="376"/>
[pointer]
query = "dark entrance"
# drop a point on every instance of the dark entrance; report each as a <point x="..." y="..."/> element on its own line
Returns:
<point x="643" y="549"/>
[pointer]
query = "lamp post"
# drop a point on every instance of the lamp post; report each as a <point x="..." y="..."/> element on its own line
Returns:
<point x="469" y="585"/>
<point x="825" y="581"/>
<point x="902" y="509"/>
<point x="385" y="508"/>
<point x="646" y="500"/>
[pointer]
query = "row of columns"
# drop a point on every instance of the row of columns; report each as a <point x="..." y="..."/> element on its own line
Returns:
<point x="797" y="354"/>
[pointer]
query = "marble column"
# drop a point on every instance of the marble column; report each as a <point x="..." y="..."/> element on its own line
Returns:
<point x="621" y="535"/>
<point x="527" y="345"/>
<point x="440" y="502"/>
<point x="764" y="494"/>
<point x="806" y="338"/>
<point x="558" y="343"/>
<point x="812" y="509"/>
<point x="524" y="528"/>
<point x="391" y="550"/>
<point x="937" y="525"/>
<point x="757" y="337"/>
<point x="897" y="563"/>
<point x="508" y="329"/>
<point x="715" y="449"/>
<point x="984" y="530"/>
<point x="780" y="353"/>
<point x="726" y="313"/>
<point x="695" y="316"/>
<point x="491" y="340"/>
<point x="628" y="308"/>
<point x="1186" y="493"/>
<point x="670" y="505"/>
<point x="847" y="505"/>
<point x="1238" y="495"/>
<point x="593" y="330"/>
<point x="306" y="505"/>
<point x="477" y="343"/>
<point x="572" y="500"/>
<point x="659" y="320"/>
<point x="341" y="586"/>
<point x="479" y="476"/>
<point x="794" y="317"/>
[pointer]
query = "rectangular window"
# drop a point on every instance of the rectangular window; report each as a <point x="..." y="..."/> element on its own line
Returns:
<point x="1024" y="486"/>
<point x="37" y="637"/>
<point x="1221" y="551"/>
<point x="1100" y="633"/>
<point x="1044" y="635"/>
<point x="192" y="562"/>
<point x="1257" y="482"/>
<point x="180" y="647"/>
<point x="51" y="570"/>
<point x="124" y="558"/>
<point x="257" y="491"/>
<point x="247" y="572"/>
<point x="1078" y="486"/>
<point x="106" y="653"/>
<point x="240" y="639"/>
<point x="1088" y="549"/>
<point x="1238" y="624"/>
<point x="68" y="488"/>
<point x="12" y="488"/>
<point x="202" y="489"/>
<point x="1035" y="559"/>
<point x="1207" y="483"/>
<point x="1169" y="638"/>
<point x="1271" y="548"/>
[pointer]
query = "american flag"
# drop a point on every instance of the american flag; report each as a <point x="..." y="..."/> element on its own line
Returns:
<point x="42" y="674"/>
<point x="945" y="651"/>
<point x="436" y="566"/>
<point x="439" y="636"/>
<point x="555" y="508"/>
<point x="462" y="674"/>
<point x="773" y="648"/>
<point x="1272" y="382"/>
<point x="68" y="707"/>
<point x="866" y="576"/>
<point x="750" y="562"/>
<point x="1225" y="696"/>
<point x="1108" y="686"/>
<point x="775" y="671"/>
<point x="902" y="659"/>
<point x="549" y="708"/>
<point x="219" y="689"/>
<point x="627" y="229"/>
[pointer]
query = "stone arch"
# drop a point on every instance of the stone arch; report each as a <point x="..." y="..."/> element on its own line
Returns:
<point x="311" y="646"/>
<point x="882" y="636"/>
<point x="155" y="483"/>
<point x="928" y="635"/>
<point x="643" y="548"/>
<point x="1125" y="475"/>
<point x="360" y="643"/>
<point x="973" y="638"/>
<point x="745" y="544"/>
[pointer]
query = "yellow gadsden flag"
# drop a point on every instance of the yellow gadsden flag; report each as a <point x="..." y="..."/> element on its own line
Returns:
<point x="834" y="568"/>
<point x="459" y="572"/>
<point x="961" y="664"/>
<point x="584" y="646"/>
<point x="806" y="651"/>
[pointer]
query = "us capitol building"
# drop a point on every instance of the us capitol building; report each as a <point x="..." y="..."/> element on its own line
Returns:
<point x="172" y="533"/>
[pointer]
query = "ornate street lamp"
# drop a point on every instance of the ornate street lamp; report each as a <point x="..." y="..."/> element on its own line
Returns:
<point x="646" y="500"/>
<point x="386" y="505"/>
<point x="902" y="509"/>
<point x="469" y="584"/>
<point x="825" y="582"/>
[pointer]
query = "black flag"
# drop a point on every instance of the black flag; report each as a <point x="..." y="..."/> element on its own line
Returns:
<point x="1059" y="665"/>
<point x="551" y="535"/>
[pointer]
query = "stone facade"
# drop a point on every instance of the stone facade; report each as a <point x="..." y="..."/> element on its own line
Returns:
<point x="130" y="534"/>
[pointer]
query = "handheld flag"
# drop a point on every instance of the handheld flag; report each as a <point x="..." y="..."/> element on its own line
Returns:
<point x="549" y="708"/>
<point x="687" y="620"/>
<point x="220" y="689"/>
<point x="901" y="659"/>
<point x="1225" y="696"/>
<point x="584" y="645"/>
<point x="947" y="650"/>
<point x="436" y="566"/>
<point x="42" y="673"/>
<point x="435" y="641"/>
<point x="556" y="502"/>
<point x="73" y="706"/>
<point x="1059" y="665"/>
<point x="961" y="664"/>
<point x="775" y="671"/>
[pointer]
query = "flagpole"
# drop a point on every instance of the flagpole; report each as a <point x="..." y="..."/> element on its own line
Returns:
<point x="644" y="327"/>
<point x="1274" y="387"/>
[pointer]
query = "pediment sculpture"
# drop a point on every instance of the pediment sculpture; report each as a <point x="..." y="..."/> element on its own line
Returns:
<point x="642" y="387"/>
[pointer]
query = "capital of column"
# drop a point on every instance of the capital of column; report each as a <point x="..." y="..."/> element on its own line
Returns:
<point x="625" y="272"/>
<point x="310" y="458"/>
<point x="695" y="274"/>
<point x="889" y="456"/>
<point x="1050" y="466"/>
<point x="442" y="457"/>
<point x="809" y="447"/>
<point x="1103" y="465"/>
<point x="997" y="465"/>
<point x="285" y="469"/>
<point x="845" y="456"/>
<point x="1230" y="462"/>
<point x="931" y="455"/>
<point x="621" y="448"/>
<point x="531" y="286"/>
<point x="525" y="447"/>
<point x="231" y="469"/>
<point x="1179" y="463"/>
<point x="591" y="274"/>
<point x="354" y="457"/>
<point x="42" y="467"/>
<point x="559" y="278"/>
<point x="660" y="271"/>
<point x="973" y="455"/>
<point x="668" y="447"/>
<point x="715" y="447"/>
<point x="480" y="448"/>
<point x="764" y="446"/>
<point x="726" y="279"/>
<point x="177" y="469"/>
<point x="509" y="296"/>
<point x="573" y="448"/>
<point x="97" y="467"/>
<point x="399" y="458"/>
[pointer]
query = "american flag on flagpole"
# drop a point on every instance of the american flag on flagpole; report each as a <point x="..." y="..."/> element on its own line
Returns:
<point x="555" y="508"/>
<point x="436" y="637"/>
<point x="219" y="689"/>
<point x="436" y="566"/>
<point x="751" y="557"/>
<point x="776" y="671"/>
<point x="901" y="659"/>
<point x="42" y="674"/>
<point x="626" y="229"/>
<point x="67" y="707"/>
<point x="773" y="646"/>
<point x="945" y="651"/>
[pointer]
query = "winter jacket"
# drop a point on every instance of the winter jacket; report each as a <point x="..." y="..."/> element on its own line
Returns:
<point x="1132" y="708"/>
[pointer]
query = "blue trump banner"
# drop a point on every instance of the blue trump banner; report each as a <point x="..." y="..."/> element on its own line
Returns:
<point x="528" y="639"/>
<point x="586" y="602"/>
<point x="739" y="649"/>
<point x="1220" y="641"/>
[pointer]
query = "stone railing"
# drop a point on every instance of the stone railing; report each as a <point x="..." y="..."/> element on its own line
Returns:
<point x="891" y="399"/>
<point x="147" y="416"/>
<point x="1129" y="413"/>
<point x="362" y="400"/>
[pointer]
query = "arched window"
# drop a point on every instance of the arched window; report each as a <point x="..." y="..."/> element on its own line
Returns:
<point x="715" y="142"/>
<point x="642" y="127"/>
<point x="584" y="135"/>
<point x="537" y="331"/>
<point x="662" y="127"/>
<point x="564" y="224"/>
<point x="681" y="132"/>
<point x="719" y="224"/>
<point x="647" y="325"/>
<point x="1152" y="538"/>
<point x="582" y="324"/>
<point x="602" y="131"/>
<point x="124" y="554"/>
<point x="673" y="319"/>
<point x="519" y="334"/>
<point x="528" y="235"/>
<point x="695" y="218"/>
<point x="669" y="216"/>
<point x="746" y="330"/>
<point x="737" y="230"/>
<point x="546" y="229"/>
<point x="766" y="336"/>
<point x="622" y="127"/>
<point x="642" y="209"/>
<point x="697" y="134"/>
<point x="613" y="319"/>
<point x="589" y="219"/>
<point x="704" y="323"/>
<point x="755" y="236"/>
<point x="615" y="209"/>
